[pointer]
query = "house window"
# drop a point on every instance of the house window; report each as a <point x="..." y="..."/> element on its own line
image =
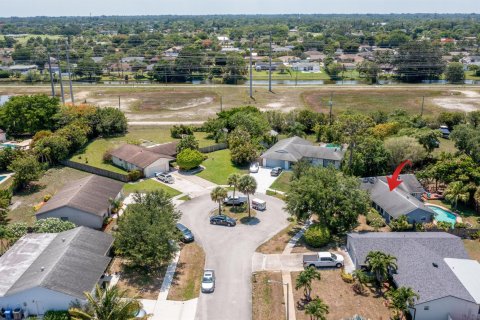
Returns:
<point x="426" y="308"/>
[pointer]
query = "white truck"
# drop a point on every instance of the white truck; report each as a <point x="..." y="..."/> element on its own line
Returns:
<point x="323" y="259"/>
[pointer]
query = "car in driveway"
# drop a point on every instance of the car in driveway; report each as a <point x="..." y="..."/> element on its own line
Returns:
<point x="165" y="177"/>
<point x="187" y="235"/>
<point x="323" y="259"/>
<point x="234" y="201"/>
<point x="254" y="167"/>
<point x="208" y="281"/>
<point x="222" y="220"/>
<point x="276" y="171"/>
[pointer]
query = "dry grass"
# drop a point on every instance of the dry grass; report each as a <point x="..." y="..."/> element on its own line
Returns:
<point x="473" y="248"/>
<point x="138" y="282"/>
<point x="341" y="299"/>
<point x="267" y="298"/>
<point x="277" y="243"/>
<point x="363" y="226"/>
<point x="188" y="276"/>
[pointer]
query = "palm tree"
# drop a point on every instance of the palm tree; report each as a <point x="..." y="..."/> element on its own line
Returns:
<point x="361" y="278"/>
<point x="317" y="309"/>
<point x="247" y="185"/>
<point x="401" y="299"/>
<point x="233" y="180"/>
<point x="381" y="264"/>
<point x="456" y="191"/>
<point x="218" y="195"/>
<point x="304" y="280"/>
<point x="107" y="304"/>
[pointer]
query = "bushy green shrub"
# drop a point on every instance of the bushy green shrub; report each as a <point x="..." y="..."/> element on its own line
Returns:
<point x="56" y="315"/>
<point x="444" y="225"/>
<point x="374" y="219"/>
<point x="178" y="131"/>
<point x="135" y="175"/>
<point x="188" y="159"/>
<point x="400" y="224"/>
<point x="461" y="225"/>
<point x="317" y="236"/>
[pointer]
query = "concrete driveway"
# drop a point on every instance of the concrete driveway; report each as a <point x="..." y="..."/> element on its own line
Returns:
<point x="190" y="184"/>
<point x="264" y="179"/>
<point x="229" y="252"/>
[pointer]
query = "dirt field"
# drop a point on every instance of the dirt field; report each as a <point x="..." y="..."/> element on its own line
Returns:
<point x="267" y="298"/>
<point x="154" y="104"/>
<point x="341" y="299"/>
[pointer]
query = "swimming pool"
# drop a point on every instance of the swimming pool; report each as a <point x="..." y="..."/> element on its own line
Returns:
<point x="2" y="178"/>
<point x="444" y="215"/>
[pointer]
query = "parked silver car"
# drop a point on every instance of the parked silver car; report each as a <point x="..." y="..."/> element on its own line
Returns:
<point x="208" y="281"/>
<point x="165" y="177"/>
<point x="254" y="167"/>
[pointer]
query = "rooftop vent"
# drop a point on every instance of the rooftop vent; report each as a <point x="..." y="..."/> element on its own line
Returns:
<point x="63" y="239"/>
<point x="434" y="264"/>
<point x="42" y="269"/>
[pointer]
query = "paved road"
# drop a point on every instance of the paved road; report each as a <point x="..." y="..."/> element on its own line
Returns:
<point x="229" y="252"/>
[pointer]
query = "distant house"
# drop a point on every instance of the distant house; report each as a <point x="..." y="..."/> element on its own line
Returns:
<point x="168" y="149"/>
<point x="132" y="59"/>
<point x="289" y="151"/>
<point x="262" y="66"/>
<point x="403" y="201"/>
<point x="85" y="202"/>
<point x="288" y="59"/>
<point x="433" y="264"/>
<point x="305" y="66"/>
<point x="278" y="49"/>
<point x="49" y="271"/>
<point x="173" y="51"/>
<point x="314" y="55"/>
<point x="132" y="157"/>
<point x="23" y="68"/>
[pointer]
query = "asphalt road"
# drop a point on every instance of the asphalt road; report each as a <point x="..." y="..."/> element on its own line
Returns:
<point x="229" y="252"/>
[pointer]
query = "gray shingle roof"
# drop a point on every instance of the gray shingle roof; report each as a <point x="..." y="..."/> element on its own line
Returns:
<point x="70" y="262"/>
<point x="410" y="183"/>
<point x="295" y="148"/>
<point x="91" y="194"/>
<point x="416" y="252"/>
<point x="138" y="156"/>
<point x="396" y="202"/>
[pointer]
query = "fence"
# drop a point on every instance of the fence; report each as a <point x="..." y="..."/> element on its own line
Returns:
<point x="459" y="232"/>
<point x="97" y="171"/>
<point x="213" y="148"/>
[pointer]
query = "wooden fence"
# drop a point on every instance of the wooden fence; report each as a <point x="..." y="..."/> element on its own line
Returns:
<point x="97" y="171"/>
<point x="213" y="148"/>
<point x="459" y="232"/>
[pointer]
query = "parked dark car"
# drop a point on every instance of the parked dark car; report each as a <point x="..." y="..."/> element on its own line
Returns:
<point x="223" y="220"/>
<point x="187" y="235"/>
<point x="237" y="201"/>
<point x="276" y="171"/>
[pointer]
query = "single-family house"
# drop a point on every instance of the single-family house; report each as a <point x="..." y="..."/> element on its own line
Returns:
<point x="23" y="68"/>
<point x="49" y="271"/>
<point x="168" y="149"/>
<point x="85" y="202"/>
<point x="262" y="66"/>
<point x="289" y="151"/>
<point x="132" y="157"/>
<point x="280" y="49"/>
<point x="306" y="66"/>
<point x="314" y="55"/>
<point x="434" y="264"/>
<point x="402" y="201"/>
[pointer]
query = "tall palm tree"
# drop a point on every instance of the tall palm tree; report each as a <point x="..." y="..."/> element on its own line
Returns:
<point x="304" y="280"/>
<point x="317" y="309"/>
<point x="360" y="278"/>
<point x="247" y="185"/>
<point x="233" y="180"/>
<point x="107" y="304"/>
<point x="218" y="195"/>
<point x="401" y="299"/>
<point x="381" y="264"/>
<point x="457" y="191"/>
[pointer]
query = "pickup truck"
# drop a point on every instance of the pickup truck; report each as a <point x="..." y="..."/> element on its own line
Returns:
<point x="231" y="201"/>
<point x="323" y="259"/>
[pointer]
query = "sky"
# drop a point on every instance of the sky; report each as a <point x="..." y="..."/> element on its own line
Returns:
<point x="25" y="8"/>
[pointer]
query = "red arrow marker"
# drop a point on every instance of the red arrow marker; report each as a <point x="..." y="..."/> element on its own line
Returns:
<point x="393" y="181"/>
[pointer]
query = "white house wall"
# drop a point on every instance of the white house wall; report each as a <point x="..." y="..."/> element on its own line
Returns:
<point x="37" y="301"/>
<point x="80" y="218"/>
<point x="161" y="165"/>
<point x="441" y="308"/>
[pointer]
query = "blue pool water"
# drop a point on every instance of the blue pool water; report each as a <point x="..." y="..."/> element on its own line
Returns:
<point x="444" y="215"/>
<point x="2" y="178"/>
<point x="8" y="145"/>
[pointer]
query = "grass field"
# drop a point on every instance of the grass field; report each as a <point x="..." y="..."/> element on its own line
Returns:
<point x="24" y="39"/>
<point x="470" y="75"/>
<point x="276" y="75"/>
<point x="473" y="248"/>
<point x="149" y="185"/>
<point x="218" y="167"/>
<point x="283" y="182"/>
<point x="446" y="145"/>
<point x="267" y="297"/>
<point x="278" y="242"/>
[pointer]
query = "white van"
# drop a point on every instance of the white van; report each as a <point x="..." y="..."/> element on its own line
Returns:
<point x="258" y="204"/>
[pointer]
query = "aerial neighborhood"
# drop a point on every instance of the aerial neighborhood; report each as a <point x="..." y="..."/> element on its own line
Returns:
<point x="243" y="167"/>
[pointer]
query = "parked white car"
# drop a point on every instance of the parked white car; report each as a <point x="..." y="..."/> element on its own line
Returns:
<point x="323" y="259"/>
<point x="254" y="167"/>
<point x="208" y="281"/>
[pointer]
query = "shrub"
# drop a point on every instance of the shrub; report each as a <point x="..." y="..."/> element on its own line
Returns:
<point x="107" y="156"/>
<point x="461" y="225"/>
<point x="374" y="219"/>
<point x="189" y="159"/>
<point x="135" y="175"/>
<point x="400" y="224"/>
<point x="317" y="236"/>
<point x="475" y="235"/>
<point x="347" y="277"/>
<point x="444" y="225"/>
<point x="56" y="315"/>
<point x="178" y="131"/>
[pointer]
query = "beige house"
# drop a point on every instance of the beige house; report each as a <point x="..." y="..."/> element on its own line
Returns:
<point x="132" y="157"/>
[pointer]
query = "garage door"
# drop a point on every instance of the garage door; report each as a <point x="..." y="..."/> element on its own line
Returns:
<point x="271" y="163"/>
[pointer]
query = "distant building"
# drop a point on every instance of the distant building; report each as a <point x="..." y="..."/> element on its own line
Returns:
<point x="23" y="67"/>
<point x="305" y="66"/>
<point x="262" y="66"/>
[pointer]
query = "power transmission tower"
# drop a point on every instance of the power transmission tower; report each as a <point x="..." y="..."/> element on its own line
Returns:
<point x="67" y="49"/>
<point x="270" y="66"/>
<point x="51" y="75"/>
<point x="60" y="75"/>
<point x="251" y="68"/>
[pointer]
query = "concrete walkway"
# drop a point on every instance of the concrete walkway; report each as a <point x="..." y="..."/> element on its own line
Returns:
<point x="293" y="241"/>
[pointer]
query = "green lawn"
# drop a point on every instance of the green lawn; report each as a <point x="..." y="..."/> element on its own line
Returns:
<point x="283" y="182"/>
<point x="469" y="75"/>
<point x="473" y="248"/>
<point x="276" y="75"/>
<point x="149" y="185"/>
<point x="94" y="151"/>
<point x="218" y="167"/>
<point x="446" y="145"/>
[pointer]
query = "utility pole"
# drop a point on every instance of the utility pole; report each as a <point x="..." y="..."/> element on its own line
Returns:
<point x="67" y="48"/>
<point x="221" y="103"/>
<point x="330" y="103"/>
<point x="51" y="75"/>
<point x="251" y="68"/>
<point x="270" y="66"/>
<point x="423" y="103"/>
<point x="60" y="75"/>
<point x="119" y="107"/>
